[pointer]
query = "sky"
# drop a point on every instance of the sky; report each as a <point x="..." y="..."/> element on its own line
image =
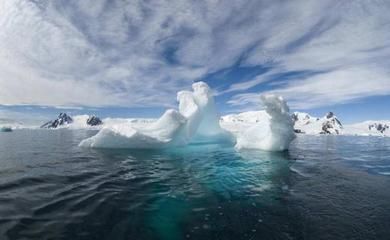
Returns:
<point x="129" y="58"/>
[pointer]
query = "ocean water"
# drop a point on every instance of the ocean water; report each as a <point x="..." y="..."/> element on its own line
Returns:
<point x="324" y="187"/>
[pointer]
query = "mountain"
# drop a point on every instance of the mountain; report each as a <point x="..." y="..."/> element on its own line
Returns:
<point x="6" y="123"/>
<point x="329" y="124"/>
<point x="304" y="123"/>
<point x="236" y="123"/>
<point x="94" y="121"/>
<point x="246" y="117"/>
<point x="63" y="119"/>
<point x="77" y="122"/>
<point x="369" y="128"/>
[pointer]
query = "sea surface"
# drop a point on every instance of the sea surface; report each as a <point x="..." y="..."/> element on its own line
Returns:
<point x="324" y="187"/>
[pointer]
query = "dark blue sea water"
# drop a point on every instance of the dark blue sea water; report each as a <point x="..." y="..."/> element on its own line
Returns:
<point x="327" y="187"/>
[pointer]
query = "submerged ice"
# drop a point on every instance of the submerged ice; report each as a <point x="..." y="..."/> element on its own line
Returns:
<point x="197" y="120"/>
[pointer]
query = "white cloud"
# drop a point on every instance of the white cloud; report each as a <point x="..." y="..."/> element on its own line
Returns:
<point x="68" y="53"/>
<point x="339" y="86"/>
<point x="139" y="53"/>
<point x="242" y="86"/>
<point x="346" y="44"/>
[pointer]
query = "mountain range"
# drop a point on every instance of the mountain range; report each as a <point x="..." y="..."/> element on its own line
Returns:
<point x="304" y="123"/>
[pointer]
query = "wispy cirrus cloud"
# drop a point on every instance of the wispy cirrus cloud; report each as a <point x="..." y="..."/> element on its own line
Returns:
<point x="344" y="46"/>
<point x="339" y="86"/>
<point x="139" y="53"/>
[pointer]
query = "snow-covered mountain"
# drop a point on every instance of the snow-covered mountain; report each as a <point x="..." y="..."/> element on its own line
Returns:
<point x="63" y="119"/>
<point x="236" y="123"/>
<point x="246" y="117"/>
<point x="329" y="124"/>
<point x="304" y="123"/>
<point x="369" y="128"/>
<point x="14" y="124"/>
<point x="92" y="122"/>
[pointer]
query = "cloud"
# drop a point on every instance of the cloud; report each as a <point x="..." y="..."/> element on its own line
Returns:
<point x="101" y="53"/>
<point x="335" y="87"/>
<point x="242" y="86"/>
<point x="346" y="46"/>
<point x="140" y="53"/>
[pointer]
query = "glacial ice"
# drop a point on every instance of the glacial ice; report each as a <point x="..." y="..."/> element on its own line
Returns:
<point x="196" y="120"/>
<point x="274" y="132"/>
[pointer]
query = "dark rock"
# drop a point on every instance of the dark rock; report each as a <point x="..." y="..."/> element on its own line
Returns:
<point x="94" y="121"/>
<point x="62" y="119"/>
<point x="298" y="131"/>
<point x="329" y="115"/>
<point x="338" y="121"/>
<point x="331" y="125"/>
<point x="326" y="126"/>
<point x="294" y="117"/>
<point x="5" y="129"/>
<point x="379" y="127"/>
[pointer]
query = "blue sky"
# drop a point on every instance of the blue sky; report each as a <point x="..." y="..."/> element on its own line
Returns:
<point x="129" y="58"/>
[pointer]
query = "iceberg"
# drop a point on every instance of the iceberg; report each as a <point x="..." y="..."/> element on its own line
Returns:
<point x="274" y="132"/>
<point x="195" y="120"/>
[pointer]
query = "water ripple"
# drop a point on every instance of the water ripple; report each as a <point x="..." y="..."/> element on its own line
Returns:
<point x="324" y="186"/>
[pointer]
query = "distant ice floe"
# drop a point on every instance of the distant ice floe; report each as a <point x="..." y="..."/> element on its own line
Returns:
<point x="196" y="120"/>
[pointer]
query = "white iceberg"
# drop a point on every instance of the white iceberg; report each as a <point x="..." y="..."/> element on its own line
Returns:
<point x="196" y="120"/>
<point x="274" y="132"/>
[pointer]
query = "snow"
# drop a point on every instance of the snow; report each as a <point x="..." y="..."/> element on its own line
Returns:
<point x="368" y="128"/>
<point x="13" y="124"/>
<point x="329" y="124"/>
<point x="196" y="119"/>
<point x="306" y="124"/>
<point x="245" y="117"/>
<point x="271" y="133"/>
<point x="237" y="123"/>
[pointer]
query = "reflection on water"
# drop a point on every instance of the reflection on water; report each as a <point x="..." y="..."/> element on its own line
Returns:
<point x="52" y="189"/>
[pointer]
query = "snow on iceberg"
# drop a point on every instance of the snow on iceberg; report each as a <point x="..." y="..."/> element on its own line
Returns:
<point x="196" y="120"/>
<point x="273" y="133"/>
